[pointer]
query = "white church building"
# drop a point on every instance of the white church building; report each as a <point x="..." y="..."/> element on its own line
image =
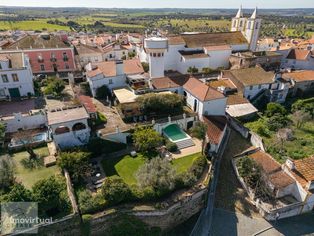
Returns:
<point x="201" y="50"/>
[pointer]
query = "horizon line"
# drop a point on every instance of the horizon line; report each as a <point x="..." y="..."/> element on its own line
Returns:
<point x="152" y="8"/>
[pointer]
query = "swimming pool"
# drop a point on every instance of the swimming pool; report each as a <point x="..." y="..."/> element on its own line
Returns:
<point x="174" y="133"/>
<point x="37" y="138"/>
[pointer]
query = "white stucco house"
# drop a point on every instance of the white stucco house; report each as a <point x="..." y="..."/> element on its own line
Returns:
<point x="301" y="81"/>
<point x="299" y="59"/>
<point x="203" y="99"/>
<point x="69" y="127"/>
<point x="250" y="81"/>
<point x="207" y="50"/>
<point x="111" y="73"/>
<point x="89" y="54"/>
<point x="16" y="77"/>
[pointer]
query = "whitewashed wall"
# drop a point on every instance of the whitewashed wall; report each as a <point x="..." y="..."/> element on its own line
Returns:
<point x="199" y="63"/>
<point x="172" y="56"/>
<point x="100" y="80"/>
<point x="215" y="107"/>
<point x="24" y="121"/>
<point x="250" y="93"/>
<point x="219" y="58"/>
<point x="70" y="139"/>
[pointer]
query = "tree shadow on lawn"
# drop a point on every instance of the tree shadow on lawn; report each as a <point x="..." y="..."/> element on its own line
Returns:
<point x="108" y="165"/>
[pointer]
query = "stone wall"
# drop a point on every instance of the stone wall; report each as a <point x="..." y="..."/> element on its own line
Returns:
<point x="161" y="218"/>
<point x="238" y="127"/>
<point x="257" y="141"/>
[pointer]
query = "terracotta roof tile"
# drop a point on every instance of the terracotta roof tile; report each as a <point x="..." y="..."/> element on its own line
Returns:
<point x="272" y="169"/>
<point x="300" y="76"/>
<point x="253" y="76"/>
<point x="218" y="47"/>
<point x="16" y="59"/>
<point x="108" y="68"/>
<point x="234" y="99"/>
<point x="167" y="82"/>
<point x="298" y="54"/>
<point x="208" y="39"/>
<point x="86" y="49"/>
<point x="215" y="127"/>
<point x="305" y="168"/>
<point x="133" y="66"/>
<point x="175" y="40"/>
<point x="87" y="102"/>
<point x="227" y="83"/>
<point x="38" y="42"/>
<point x="201" y="91"/>
<point x="263" y="159"/>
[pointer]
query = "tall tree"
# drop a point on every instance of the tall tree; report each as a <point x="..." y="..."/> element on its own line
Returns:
<point x="7" y="178"/>
<point x="115" y="190"/>
<point x="283" y="135"/>
<point x="146" y="139"/>
<point x="26" y="138"/>
<point x="47" y="193"/>
<point x="300" y="117"/>
<point x="199" y="130"/>
<point x="77" y="163"/>
<point x="158" y="174"/>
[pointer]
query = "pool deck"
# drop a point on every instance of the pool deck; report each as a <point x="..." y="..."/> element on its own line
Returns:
<point x="190" y="150"/>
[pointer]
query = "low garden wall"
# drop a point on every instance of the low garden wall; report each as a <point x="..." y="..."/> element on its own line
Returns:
<point x="238" y="126"/>
<point x="257" y="141"/>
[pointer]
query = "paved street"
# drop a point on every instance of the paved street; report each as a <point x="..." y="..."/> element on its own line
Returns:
<point x="231" y="223"/>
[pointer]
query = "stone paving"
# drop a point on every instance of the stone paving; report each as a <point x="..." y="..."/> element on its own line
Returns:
<point x="190" y="150"/>
<point x="231" y="223"/>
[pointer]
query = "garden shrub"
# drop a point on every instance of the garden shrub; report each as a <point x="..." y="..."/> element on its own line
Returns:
<point x="171" y="146"/>
<point x="90" y="203"/>
<point x="115" y="190"/>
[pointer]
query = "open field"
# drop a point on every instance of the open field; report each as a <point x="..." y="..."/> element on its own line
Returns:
<point x="30" y="177"/>
<point x="198" y="23"/>
<point x="40" y="24"/>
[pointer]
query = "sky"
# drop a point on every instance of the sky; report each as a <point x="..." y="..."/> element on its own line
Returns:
<point x="162" y="3"/>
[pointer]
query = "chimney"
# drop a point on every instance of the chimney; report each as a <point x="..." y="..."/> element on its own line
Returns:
<point x="119" y="67"/>
<point x="290" y="164"/>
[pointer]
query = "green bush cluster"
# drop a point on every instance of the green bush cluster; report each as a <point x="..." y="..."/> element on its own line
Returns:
<point x="50" y="194"/>
<point x="171" y="146"/>
<point x="190" y="177"/>
<point x="161" y="104"/>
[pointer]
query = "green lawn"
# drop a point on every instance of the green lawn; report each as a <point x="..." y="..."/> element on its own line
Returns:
<point x="184" y="163"/>
<point x="30" y="177"/>
<point x="127" y="166"/>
